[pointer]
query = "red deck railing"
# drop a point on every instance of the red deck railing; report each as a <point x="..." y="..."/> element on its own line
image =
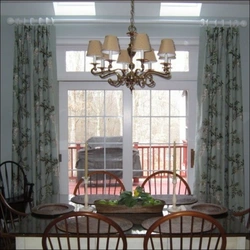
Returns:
<point x="153" y="158"/>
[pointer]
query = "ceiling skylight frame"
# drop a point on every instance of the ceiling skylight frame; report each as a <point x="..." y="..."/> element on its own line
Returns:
<point x="180" y="9"/>
<point x="74" y="8"/>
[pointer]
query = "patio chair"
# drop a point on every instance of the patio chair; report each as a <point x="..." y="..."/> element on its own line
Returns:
<point x="14" y="186"/>
<point x="100" y="182"/>
<point x="83" y="230"/>
<point x="161" y="182"/>
<point x="185" y="230"/>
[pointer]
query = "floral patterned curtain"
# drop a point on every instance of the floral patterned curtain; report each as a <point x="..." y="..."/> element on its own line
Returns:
<point x="219" y="159"/>
<point x="35" y="108"/>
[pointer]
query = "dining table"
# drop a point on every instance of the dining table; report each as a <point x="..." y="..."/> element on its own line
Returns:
<point x="30" y="230"/>
<point x="168" y="199"/>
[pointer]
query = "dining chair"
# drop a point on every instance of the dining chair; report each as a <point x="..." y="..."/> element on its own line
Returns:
<point x="9" y="219"/>
<point x="185" y="230"/>
<point x="161" y="182"/>
<point x="100" y="182"/>
<point x="83" y="230"/>
<point x="244" y="216"/>
<point x="14" y="186"/>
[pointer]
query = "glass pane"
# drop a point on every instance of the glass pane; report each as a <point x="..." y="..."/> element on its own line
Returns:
<point x="160" y="130"/>
<point x="114" y="126"/>
<point x="76" y="102"/>
<point x="75" y="61"/>
<point x="113" y="103"/>
<point x="94" y="103"/>
<point x="88" y="65"/>
<point x="76" y="129"/>
<point x="181" y="63"/>
<point x="72" y="159"/>
<point x="141" y="130"/>
<point x="178" y="103"/>
<point x="95" y="127"/>
<point x="160" y="103"/>
<point x="141" y="102"/>
<point x="178" y="129"/>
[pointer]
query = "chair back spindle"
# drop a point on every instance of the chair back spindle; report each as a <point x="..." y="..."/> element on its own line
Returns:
<point x="161" y="182"/>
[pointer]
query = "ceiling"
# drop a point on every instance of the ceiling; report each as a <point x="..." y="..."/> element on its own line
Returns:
<point x="114" y="9"/>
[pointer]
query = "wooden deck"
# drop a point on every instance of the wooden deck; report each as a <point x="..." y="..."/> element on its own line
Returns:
<point x="73" y="182"/>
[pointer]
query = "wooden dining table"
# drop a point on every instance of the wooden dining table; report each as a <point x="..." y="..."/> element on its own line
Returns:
<point x="168" y="198"/>
<point x="29" y="232"/>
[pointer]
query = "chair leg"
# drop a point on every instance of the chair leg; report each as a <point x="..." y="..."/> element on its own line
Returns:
<point x="29" y="207"/>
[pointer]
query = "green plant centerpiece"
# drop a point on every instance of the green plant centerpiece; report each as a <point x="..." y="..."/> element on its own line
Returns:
<point x="131" y="202"/>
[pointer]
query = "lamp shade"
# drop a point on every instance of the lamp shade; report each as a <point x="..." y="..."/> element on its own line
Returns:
<point x="141" y="43"/>
<point x="123" y="57"/>
<point x="94" y="48"/>
<point x="150" y="56"/>
<point x="111" y="44"/>
<point x="167" y="48"/>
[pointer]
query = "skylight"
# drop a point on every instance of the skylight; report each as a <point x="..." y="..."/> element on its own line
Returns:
<point x="180" y="9"/>
<point x="74" y="8"/>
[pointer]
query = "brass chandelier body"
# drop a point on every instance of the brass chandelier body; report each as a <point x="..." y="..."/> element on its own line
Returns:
<point x="129" y="75"/>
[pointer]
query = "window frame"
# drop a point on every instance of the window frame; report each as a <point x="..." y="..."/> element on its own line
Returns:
<point x="63" y="45"/>
<point x="85" y="80"/>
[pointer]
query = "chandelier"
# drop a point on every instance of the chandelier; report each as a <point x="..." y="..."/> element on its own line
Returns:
<point x="129" y="75"/>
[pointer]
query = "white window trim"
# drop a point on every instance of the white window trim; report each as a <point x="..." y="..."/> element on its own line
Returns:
<point x="64" y="45"/>
<point x="78" y="80"/>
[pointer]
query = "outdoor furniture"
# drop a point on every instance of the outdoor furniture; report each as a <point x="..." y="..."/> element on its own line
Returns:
<point x="100" y="182"/>
<point x="195" y="230"/>
<point x="88" y="231"/>
<point x="161" y="182"/>
<point x="105" y="153"/>
<point x="14" y="186"/>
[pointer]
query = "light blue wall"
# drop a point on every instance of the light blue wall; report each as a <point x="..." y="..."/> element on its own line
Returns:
<point x="7" y="41"/>
<point x="7" y="45"/>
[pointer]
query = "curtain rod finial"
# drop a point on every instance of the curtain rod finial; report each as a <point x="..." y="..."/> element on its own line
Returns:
<point x="243" y="23"/>
<point x="10" y="20"/>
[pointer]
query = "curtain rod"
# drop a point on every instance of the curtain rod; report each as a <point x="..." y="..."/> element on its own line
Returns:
<point x="52" y="21"/>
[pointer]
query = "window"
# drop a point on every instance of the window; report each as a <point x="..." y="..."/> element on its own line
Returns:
<point x="77" y="61"/>
<point x="74" y="8"/>
<point x="159" y="120"/>
<point x="180" y="9"/>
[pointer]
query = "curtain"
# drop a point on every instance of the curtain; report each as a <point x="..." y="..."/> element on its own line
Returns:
<point x="35" y="108"/>
<point x="219" y="159"/>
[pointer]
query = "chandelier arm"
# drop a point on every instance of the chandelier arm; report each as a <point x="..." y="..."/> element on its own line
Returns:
<point x="116" y="83"/>
<point x="107" y="73"/>
<point x="146" y="80"/>
<point x="166" y="75"/>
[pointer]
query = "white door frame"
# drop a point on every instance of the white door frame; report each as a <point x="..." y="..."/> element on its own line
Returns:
<point x="190" y="86"/>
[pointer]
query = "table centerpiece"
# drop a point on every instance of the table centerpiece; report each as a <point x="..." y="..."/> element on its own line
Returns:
<point x="128" y="202"/>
